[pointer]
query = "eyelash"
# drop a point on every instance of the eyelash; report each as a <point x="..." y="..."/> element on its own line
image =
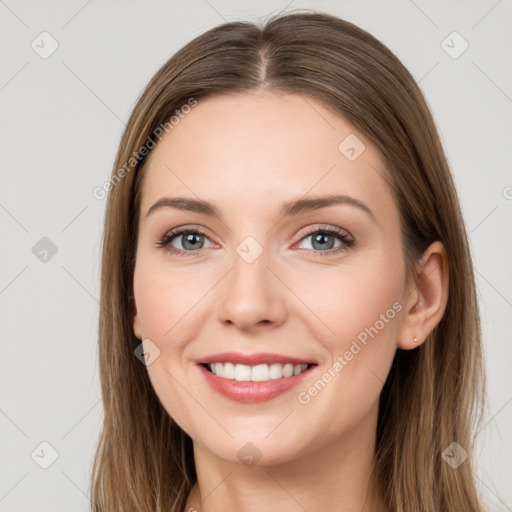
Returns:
<point x="347" y="241"/>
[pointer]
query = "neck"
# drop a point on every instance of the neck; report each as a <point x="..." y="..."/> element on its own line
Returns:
<point x="336" y="476"/>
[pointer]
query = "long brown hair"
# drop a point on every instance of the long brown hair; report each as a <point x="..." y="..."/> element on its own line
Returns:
<point x="433" y="394"/>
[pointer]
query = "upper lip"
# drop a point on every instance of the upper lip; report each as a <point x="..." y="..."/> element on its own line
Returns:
<point x="252" y="359"/>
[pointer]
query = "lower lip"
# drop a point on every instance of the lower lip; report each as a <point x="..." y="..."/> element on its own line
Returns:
<point x="249" y="391"/>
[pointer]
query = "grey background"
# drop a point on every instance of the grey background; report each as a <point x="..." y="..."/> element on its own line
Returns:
<point x="61" y="121"/>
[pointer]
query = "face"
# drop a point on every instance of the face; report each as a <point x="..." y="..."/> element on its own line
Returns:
<point x="262" y="288"/>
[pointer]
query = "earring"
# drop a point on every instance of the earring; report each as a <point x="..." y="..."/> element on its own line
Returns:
<point x="415" y="340"/>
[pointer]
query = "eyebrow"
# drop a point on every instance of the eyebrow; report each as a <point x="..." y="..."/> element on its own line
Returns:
<point x="288" y="209"/>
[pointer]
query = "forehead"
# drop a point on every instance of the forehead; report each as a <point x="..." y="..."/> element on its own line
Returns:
<point x="255" y="147"/>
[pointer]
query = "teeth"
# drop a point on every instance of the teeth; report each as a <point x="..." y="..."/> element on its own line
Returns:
<point x="288" y="370"/>
<point x="258" y="373"/>
<point x="297" y="369"/>
<point x="228" y="370"/>
<point x="242" y="372"/>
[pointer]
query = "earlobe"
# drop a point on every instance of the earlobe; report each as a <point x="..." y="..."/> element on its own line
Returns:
<point x="427" y="298"/>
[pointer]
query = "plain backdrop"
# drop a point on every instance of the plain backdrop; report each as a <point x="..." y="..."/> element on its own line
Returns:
<point x="61" y="120"/>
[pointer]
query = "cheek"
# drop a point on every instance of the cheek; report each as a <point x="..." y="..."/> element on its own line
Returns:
<point x="360" y="305"/>
<point x="353" y="296"/>
<point x="164" y="308"/>
<point x="164" y="298"/>
<point x="366" y="298"/>
<point x="363" y="310"/>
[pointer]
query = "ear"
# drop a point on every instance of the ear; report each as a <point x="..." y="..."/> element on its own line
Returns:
<point x="136" y="321"/>
<point x="426" y="299"/>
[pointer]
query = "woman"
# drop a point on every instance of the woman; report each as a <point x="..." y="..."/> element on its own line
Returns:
<point x="288" y="311"/>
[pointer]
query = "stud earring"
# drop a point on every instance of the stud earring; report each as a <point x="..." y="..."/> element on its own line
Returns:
<point x="415" y="340"/>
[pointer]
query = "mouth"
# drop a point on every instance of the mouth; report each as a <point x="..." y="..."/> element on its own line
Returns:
<point x="256" y="373"/>
<point x="253" y="378"/>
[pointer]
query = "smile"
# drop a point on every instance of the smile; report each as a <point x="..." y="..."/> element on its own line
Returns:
<point x="251" y="378"/>
<point x="257" y="373"/>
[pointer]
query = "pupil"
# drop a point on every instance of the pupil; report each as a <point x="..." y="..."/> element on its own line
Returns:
<point x="320" y="238"/>
<point x="190" y="239"/>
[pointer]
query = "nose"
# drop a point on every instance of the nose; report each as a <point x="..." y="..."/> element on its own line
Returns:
<point x="252" y="295"/>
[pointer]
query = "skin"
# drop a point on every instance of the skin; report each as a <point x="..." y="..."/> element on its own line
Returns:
<point x="247" y="154"/>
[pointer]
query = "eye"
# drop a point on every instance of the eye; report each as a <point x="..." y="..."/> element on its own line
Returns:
<point x="323" y="240"/>
<point x="190" y="239"/>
